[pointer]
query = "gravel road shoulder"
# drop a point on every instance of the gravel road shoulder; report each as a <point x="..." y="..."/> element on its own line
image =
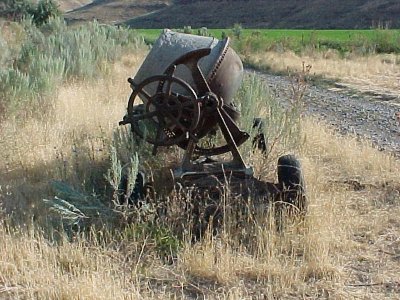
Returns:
<point x="348" y="111"/>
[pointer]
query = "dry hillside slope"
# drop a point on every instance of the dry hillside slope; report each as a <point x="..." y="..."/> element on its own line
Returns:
<point x="274" y="14"/>
<point x="67" y="5"/>
<point x="257" y="13"/>
<point x="109" y="11"/>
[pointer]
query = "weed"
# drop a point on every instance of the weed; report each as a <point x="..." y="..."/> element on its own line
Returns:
<point x="237" y="30"/>
<point x="187" y="29"/>
<point x="160" y="238"/>
<point x="281" y="122"/>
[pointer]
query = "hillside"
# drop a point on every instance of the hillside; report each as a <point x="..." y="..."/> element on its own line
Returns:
<point x="250" y="13"/>
<point x="67" y="5"/>
<point x="115" y="11"/>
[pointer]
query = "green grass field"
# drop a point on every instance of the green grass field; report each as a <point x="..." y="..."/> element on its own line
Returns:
<point x="374" y="40"/>
<point x="273" y="34"/>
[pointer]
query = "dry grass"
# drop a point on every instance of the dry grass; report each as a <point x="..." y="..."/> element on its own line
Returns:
<point x="376" y="73"/>
<point x="346" y="248"/>
<point x="32" y="268"/>
<point x="71" y="143"/>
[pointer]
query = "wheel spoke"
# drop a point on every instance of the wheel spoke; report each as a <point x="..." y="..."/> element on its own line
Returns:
<point x="144" y="116"/>
<point x="160" y="86"/>
<point x="154" y="152"/>
<point x="174" y="121"/>
<point x="159" y="134"/>
<point x="186" y="101"/>
<point x="166" y="114"/>
<point x="145" y="94"/>
<point x="169" y="88"/>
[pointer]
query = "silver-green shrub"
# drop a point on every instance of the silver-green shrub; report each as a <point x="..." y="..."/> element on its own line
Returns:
<point x="54" y="53"/>
<point x="281" y="120"/>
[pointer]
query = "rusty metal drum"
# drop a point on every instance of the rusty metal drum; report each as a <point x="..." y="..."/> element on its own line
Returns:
<point x="222" y="68"/>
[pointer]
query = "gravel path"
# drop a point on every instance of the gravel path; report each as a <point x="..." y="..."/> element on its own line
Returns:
<point x="347" y="111"/>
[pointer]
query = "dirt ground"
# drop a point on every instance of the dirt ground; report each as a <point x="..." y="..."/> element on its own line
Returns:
<point x="367" y="114"/>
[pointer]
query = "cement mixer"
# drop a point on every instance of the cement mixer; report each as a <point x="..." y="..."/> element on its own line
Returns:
<point x="186" y="85"/>
<point x="184" y="91"/>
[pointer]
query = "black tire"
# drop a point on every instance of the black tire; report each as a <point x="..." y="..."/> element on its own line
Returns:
<point x="259" y="140"/>
<point x="135" y="196"/>
<point x="291" y="183"/>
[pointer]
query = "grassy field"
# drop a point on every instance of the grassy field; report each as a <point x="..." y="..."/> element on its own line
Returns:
<point x="273" y="34"/>
<point x="347" y="247"/>
<point x="261" y="39"/>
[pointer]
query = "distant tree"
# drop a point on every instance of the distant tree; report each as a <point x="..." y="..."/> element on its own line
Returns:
<point x="237" y="30"/>
<point x="18" y="9"/>
<point x="45" y="10"/>
<point x="40" y="13"/>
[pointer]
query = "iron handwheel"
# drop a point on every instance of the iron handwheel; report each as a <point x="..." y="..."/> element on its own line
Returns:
<point x="166" y="118"/>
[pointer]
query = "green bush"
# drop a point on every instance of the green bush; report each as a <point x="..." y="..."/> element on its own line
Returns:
<point x="237" y="30"/>
<point x="40" y="13"/>
<point x="187" y="29"/>
<point x="5" y="53"/>
<point x="45" y="10"/>
<point x="386" y="41"/>
<point x="18" y="9"/>
<point x="53" y="53"/>
<point x="203" y="31"/>
<point x="281" y="121"/>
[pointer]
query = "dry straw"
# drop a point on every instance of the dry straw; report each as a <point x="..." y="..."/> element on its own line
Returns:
<point x="345" y="247"/>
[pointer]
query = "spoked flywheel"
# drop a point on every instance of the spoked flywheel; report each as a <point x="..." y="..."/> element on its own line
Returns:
<point x="165" y="118"/>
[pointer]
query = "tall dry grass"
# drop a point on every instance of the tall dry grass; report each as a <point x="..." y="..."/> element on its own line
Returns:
<point x="33" y="268"/>
<point x="70" y="144"/>
<point x="376" y="73"/>
<point x="344" y="249"/>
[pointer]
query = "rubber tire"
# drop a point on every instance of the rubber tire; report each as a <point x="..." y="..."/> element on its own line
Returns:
<point x="291" y="182"/>
<point x="212" y="217"/>
<point x="137" y="194"/>
<point x="259" y="140"/>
